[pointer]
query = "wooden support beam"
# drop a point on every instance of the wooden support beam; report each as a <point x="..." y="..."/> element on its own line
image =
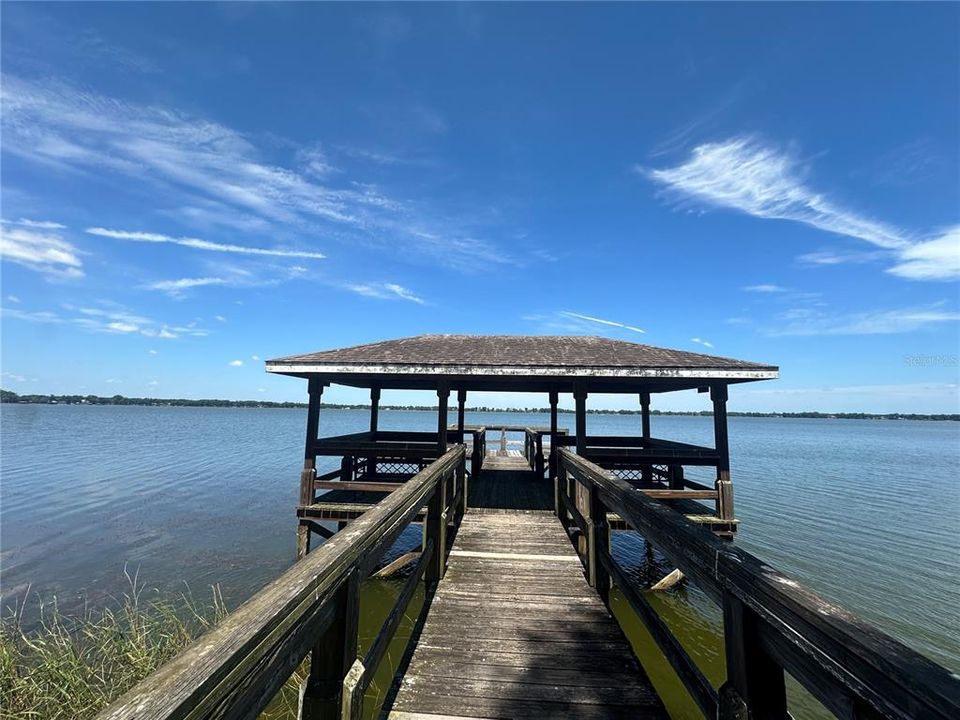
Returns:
<point x="581" y="495"/>
<point x="374" y="408"/>
<point x="461" y="409"/>
<point x="755" y="686"/>
<point x="724" y="486"/>
<point x="332" y="656"/>
<point x="443" y="396"/>
<point x="309" y="473"/>
<point x="552" y="464"/>
<point x="645" y="415"/>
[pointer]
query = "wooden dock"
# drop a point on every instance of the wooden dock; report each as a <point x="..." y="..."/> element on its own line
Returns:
<point x="514" y="631"/>
<point x="515" y="563"/>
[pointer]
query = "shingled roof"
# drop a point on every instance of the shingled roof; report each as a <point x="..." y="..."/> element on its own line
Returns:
<point x="519" y="356"/>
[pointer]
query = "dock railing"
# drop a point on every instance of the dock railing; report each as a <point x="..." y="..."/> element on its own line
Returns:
<point x="235" y="670"/>
<point x="771" y="623"/>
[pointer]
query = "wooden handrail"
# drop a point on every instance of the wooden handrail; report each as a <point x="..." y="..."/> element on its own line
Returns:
<point x="774" y="624"/>
<point x="235" y="669"/>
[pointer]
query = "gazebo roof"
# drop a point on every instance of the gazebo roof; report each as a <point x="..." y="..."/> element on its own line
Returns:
<point x="519" y="362"/>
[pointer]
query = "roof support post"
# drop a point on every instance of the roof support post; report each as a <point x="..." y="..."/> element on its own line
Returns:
<point x="374" y="408"/>
<point x="645" y="415"/>
<point x="309" y="473"/>
<point x="443" y="394"/>
<point x="580" y="398"/>
<point x="582" y="496"/>
<point x="718" y="394"/>
<point x="461" y="409"/>
<point x="552" y="463"/>
<point x="646" y="471"/>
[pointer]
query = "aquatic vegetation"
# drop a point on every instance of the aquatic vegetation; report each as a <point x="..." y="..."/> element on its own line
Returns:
<point x="72" y="665"/>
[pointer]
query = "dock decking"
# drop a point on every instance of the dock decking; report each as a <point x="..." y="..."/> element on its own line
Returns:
<point x="514" y="630"/>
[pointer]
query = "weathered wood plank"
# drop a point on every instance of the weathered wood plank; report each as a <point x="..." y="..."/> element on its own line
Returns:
<point x="515" y="631"/>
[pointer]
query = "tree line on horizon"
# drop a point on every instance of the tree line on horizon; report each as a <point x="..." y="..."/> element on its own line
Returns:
<point x="8" y="396"/>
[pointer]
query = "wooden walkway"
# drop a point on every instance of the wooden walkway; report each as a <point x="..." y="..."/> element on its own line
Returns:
<point x="515" y="631"/>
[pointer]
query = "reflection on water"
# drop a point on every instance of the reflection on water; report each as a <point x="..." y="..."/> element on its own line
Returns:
<point x="862" y="511"/>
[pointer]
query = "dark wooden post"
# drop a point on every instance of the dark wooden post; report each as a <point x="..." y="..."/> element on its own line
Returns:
<point x="724" y="486"/>
<point x="443" y="395"/>
<point x="754" y="689"/>
<point x="461" y="409"/>
<point x="645" y="415"/>
<point x="598" y="542"/>
<point x="374" y="409"/>
<point x="435" y="528"/>
<point x="580" y="399"/>
<point x="308" y="475"/>
<point x="646" y="470"/>
<point x="332" y="656"/>
<point x="554" y="398"/>
<point x="582" y="497"/>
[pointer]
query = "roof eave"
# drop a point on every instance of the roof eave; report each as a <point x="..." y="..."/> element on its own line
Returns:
<point x="533" y="371"/>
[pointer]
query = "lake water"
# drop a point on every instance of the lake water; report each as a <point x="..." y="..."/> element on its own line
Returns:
<point x="865" y="512"/>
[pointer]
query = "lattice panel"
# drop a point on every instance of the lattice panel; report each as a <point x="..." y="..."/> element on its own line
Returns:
<point x="398" y="468"/>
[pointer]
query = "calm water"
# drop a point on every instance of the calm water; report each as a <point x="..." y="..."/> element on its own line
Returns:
<point x="865" y="512"/>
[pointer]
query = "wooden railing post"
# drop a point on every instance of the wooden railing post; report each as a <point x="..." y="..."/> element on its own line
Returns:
<point x="755" y="688"/>
<point x="309" y="473"/>
<point x="676" y="477"/>
<point x="538" y="458"/>
<point x="598" y="541"/>
<point x="332" y="656"/>
<point x="464" y="489"/>
<point x="560" y="487"/>
<point x="435" y="529"/>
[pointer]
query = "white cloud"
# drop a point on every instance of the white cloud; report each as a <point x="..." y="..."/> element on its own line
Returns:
<point x="152" y="352"/>
<point x="765" y="288"/>
<point x="385" y="291"/>
<point x="43" y="251"/>
<point x="765" y="182"/>
<point x="701" y="341"/>
<point x="13" y="298"/>
<point x="256" y="358"/>
<point x="111" y="320"/>
<point x="13" y="377"/>
<point x="175" y="288"/>
<point x="153" y="383"/>
<point x="936" y="259"/>
<point x="219" y="318"/>
<point x="36" y="224"/>
<point x="198" y="244"/>
<point x="222" y="176"/>
<point x="236" y="363"/>
<point x="261" y="389"/>
<point x="805" y="321"/>
<point x="745" y="175"/>
<point x="601" y="321"/>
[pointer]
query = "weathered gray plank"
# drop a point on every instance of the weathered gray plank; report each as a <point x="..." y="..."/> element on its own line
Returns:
<point x="515" y="631"/>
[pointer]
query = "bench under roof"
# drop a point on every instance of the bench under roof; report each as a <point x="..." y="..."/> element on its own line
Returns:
<point x="531" y="363"/>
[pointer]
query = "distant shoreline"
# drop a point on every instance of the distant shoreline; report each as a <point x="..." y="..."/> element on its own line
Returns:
<point x="7" y="396"/>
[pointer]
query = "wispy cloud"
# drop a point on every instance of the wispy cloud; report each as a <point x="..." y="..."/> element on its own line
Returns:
<point x="198" y="244"/>
<point x="236" y="363"/>
<point x="113" y="320"/>
<point x="807" y="321"/>
<point x="701" y="341"/>
<point x="38" y="224"/>
<point x="42" y="250"/>
<point x="13" y="299"/>
<point x="385" y="291"/>
<point x="210" y="170"/>
<point x="765" y="288"/>
<point x="840" y="257"/>
<point x="176" y="288"/>
<point x="763" y="181"/>
<point x="601" y="321"/>
<point x="936" y="259"/>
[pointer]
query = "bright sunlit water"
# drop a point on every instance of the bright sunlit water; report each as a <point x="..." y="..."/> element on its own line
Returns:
<point x="866" y="512"/>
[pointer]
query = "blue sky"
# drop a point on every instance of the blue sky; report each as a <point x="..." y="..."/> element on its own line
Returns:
<point x="188" y="189"/>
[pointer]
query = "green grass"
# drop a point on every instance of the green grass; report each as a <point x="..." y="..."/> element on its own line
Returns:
<point x="73" y="666"/>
